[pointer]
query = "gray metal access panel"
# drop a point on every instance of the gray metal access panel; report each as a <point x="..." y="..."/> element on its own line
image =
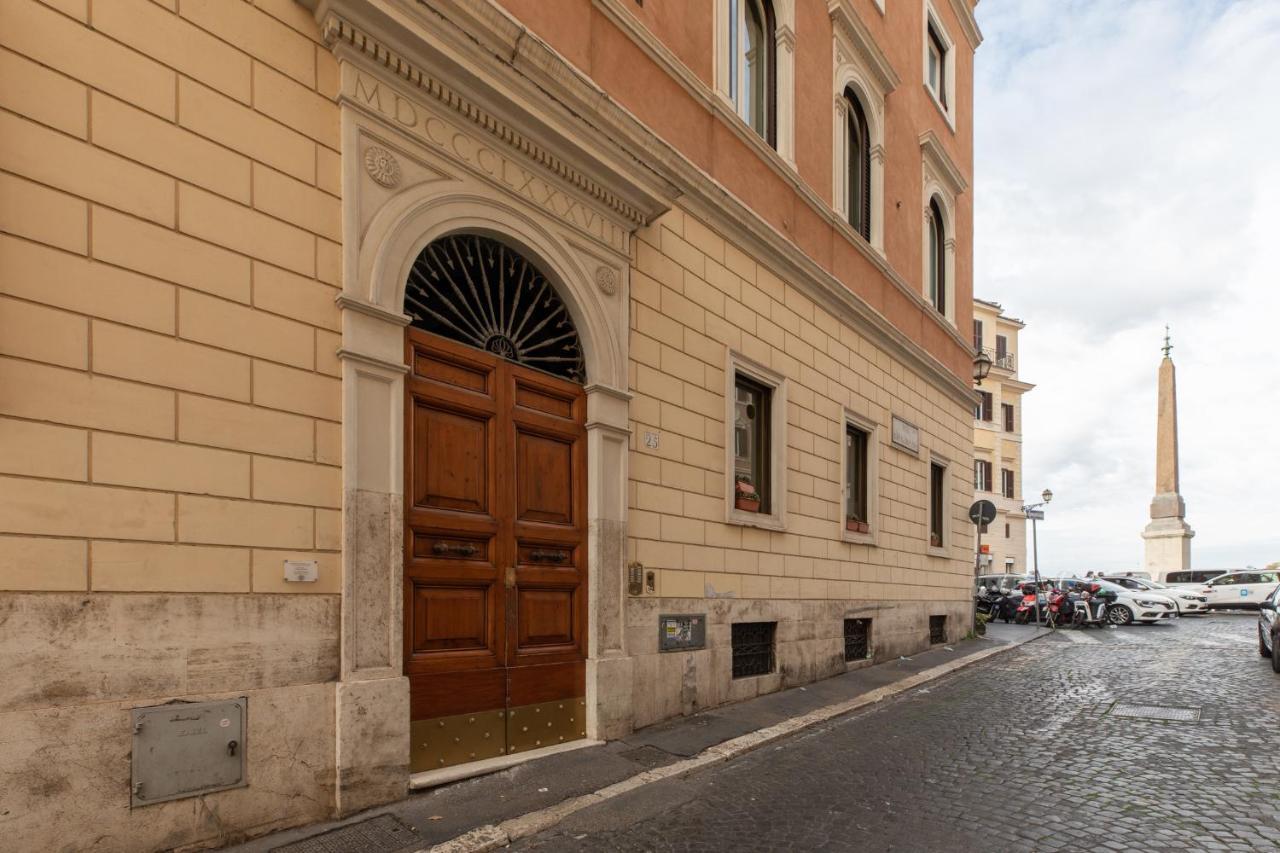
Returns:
<point x="186" y="749"/>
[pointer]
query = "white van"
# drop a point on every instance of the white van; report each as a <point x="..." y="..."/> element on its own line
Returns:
<point x="1240" y="589"/>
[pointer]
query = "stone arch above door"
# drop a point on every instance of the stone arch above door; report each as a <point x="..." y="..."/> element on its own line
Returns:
<point x="591" y="283"/>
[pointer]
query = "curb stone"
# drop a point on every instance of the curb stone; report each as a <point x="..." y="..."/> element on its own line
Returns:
<point x="489" y="837"/>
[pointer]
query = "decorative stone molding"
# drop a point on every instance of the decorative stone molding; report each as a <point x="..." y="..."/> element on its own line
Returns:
<point x="848" y="27"/>
<point x="968" y="22"/>
<point x="607" y="280"/>
<point x="335" y="29"/>
<point x="382" y="166"/>
<point x="941" y="164"/>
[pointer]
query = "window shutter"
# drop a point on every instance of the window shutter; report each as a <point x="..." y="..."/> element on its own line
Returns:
<point x="988" y="401"/>
<point x="977" y="335"/>
<point x="1002" y="346"/>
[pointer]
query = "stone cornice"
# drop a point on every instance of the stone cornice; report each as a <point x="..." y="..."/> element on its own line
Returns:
<point x="335" y="29"/>
<point x="968" y="22"/>
<point x="941" y="163"/>
<point x="522" y="67"/>
<point x="845" y="21"/>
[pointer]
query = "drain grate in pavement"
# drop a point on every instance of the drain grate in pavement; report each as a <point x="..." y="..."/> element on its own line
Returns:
<point x="381" y="834"/>
<point x="1156" y="712"/>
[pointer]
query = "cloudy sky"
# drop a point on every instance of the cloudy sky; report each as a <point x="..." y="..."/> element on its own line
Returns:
<point x="1128" y="176"/>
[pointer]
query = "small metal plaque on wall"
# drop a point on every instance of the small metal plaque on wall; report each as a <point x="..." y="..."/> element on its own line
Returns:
<point x="682" y="631"/>
<point x="186" y="749"/>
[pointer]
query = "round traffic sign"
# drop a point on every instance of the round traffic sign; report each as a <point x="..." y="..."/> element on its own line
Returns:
<point x="982" y="512"/>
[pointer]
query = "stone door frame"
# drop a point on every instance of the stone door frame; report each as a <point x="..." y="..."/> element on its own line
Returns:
<point x="415" y="166"/>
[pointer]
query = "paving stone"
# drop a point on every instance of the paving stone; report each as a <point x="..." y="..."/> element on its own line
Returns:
<point x="960" y="765"/>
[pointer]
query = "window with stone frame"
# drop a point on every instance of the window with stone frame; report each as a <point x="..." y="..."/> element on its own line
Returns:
<point x="752" y="67"/>
<point x="937" y="257"/>
<point x="1006" y="410"/>
<point x="1006" y="482"/>
<point x="937" y="504"/>
<point x="857" y="497"/>
<point x="858" y="150"/>
<point x="981" y="475"/>
<point x="751" y="451"/>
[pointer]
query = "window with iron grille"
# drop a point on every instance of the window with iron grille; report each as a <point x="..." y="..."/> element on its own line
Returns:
<point x="937" y="629"/>
<point x="857" y="639"/>
<point x="752" y="648"/>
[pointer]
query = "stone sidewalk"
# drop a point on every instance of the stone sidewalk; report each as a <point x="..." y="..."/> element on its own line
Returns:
<point x="530" y="797"/>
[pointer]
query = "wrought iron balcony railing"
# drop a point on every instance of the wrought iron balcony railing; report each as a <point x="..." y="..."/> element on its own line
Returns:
<point x="1004" y="361"/>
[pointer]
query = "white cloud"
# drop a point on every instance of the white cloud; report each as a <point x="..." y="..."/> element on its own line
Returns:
<point x="1127" y="176"/>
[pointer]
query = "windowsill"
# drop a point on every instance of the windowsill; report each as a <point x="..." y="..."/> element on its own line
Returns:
<point x="856" y="538"/>
<point x="938" y="551"/>
<point x="947" y="114"/>
<point x="764" y="521"/>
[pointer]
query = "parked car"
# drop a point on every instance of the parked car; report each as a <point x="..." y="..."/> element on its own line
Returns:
<point x="1189" y="600"/>
<point x="1192" y="577"/>
<point x="1006" y="583"/>
<point x="1130" y="605"/>
<point x="1240" y="589"/>
<point x="1269" y="629"/>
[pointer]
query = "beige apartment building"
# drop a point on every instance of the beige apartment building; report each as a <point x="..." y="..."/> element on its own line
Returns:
<point x="997" y="441"/>
<point x="392" y="389"/>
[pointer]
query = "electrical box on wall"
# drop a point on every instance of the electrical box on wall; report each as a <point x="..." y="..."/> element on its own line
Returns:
<point x="186" y="749"/>
<point x="682" y="631"/>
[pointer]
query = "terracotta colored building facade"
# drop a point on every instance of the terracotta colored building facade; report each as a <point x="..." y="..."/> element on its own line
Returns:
<point x="414" y="387"/>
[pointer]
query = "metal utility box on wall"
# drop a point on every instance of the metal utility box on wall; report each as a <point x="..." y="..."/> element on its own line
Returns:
<point x="186" y="749"/>
<point x="682" y="632"/>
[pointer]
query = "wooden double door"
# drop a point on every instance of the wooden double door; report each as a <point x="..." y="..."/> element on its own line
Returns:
<point x="495" y="581"/>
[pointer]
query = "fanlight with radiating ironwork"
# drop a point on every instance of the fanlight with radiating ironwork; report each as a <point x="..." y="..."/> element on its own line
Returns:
<point x="475" y="290"/>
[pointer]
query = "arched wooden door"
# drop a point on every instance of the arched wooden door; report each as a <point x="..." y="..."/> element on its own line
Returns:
<point x="495" y="581"/>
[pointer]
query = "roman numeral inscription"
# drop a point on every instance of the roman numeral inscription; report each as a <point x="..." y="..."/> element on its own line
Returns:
<point x="443" y="135"/>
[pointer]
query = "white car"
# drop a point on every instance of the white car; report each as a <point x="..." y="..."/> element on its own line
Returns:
<point x="1189" y="600"/>
<point x="1240" y="589"/>
<point x="1131" y="605"/>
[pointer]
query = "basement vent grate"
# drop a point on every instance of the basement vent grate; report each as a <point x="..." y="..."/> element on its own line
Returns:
<point x="857" y="639"/>
<point x="381" y="834"/>
<point x="1155" y="712"/>
<point x="752" y="648"/>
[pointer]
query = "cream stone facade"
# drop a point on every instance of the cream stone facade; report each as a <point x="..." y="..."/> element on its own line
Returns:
<point x="210" y="215"/>
<point x="997" y="441"/>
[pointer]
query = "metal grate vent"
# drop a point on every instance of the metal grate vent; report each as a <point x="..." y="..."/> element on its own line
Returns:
<point x="937" y="629"/>
<point x="752" y="648"/>
<point x="1155" y="712"/>
<point x="382" y="834"/>
<point x="857" y="639"/>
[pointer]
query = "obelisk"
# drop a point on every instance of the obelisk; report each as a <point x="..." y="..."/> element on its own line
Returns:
<point x="1167" y="536"/>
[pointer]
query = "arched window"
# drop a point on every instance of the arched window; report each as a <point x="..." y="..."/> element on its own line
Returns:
<point x="858" y="147"/>
<point x="478" y="291"/>
<point x="752" y="67"/>
<point x="937" y="257"/>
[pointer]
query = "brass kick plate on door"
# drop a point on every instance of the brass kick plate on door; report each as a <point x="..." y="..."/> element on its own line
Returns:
<point x="446" y="741"/>
<point x="546" y="724"/>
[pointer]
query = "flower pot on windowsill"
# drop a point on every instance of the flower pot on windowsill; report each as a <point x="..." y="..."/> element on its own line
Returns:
<point x="855" y="526"/>
<point x="935" y="540"/>
<point x="746" y="504"/>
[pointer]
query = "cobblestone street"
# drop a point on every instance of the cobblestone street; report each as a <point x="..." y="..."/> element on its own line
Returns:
<point x="1022" y="753"/>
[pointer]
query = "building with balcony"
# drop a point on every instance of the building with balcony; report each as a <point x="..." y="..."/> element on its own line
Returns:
<point x="389" y="374"/>
<point x="997" y="440"/>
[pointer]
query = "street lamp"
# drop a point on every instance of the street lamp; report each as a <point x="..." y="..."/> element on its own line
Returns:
<point x="981" y="367"/>
<point x="1034" y="513"/>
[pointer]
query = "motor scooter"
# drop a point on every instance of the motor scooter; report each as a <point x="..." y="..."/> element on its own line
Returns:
<point x="1026" y="611"/>
<point x="1061" y="609"/>
<point x="1091" y="608"/>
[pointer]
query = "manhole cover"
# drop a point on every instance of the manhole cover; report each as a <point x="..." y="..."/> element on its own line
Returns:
<point x="1156" y="712"/>
<point x="381" y="834"/>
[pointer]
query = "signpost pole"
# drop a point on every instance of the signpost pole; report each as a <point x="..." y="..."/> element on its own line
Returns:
<point x="1035" y="556"/>
<point x="977" y="557"/>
